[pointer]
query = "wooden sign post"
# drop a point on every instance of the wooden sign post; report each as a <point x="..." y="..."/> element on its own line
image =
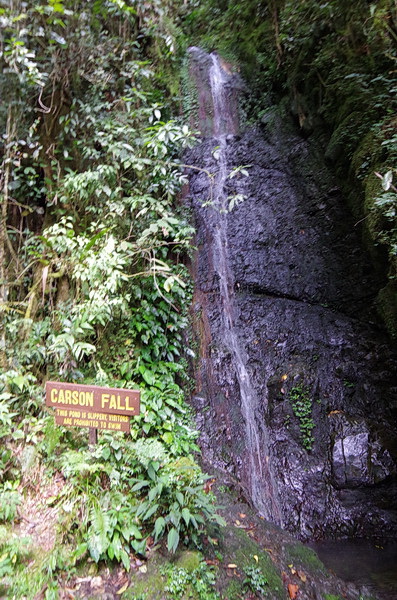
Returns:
<point x="92" y="406"/>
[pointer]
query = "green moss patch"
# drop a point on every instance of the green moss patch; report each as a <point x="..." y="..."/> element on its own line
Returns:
<point x="242" y="551"/>
<point x="304" y="557"/>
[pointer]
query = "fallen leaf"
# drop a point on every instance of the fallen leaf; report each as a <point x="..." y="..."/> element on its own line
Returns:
<point x="237" y="522"/>
<point x="302" y="576"/>
<point x="143" y="569"/>
<point x="242" y="515"/>
<point x="269" y="550"/>
<point x="231" y="566"/>
<point x="284" y="377"/>
<point x="51" y="500"/>
<point x="208" y="485"/>
<point x="256" y="558"/>
<point x="335" y="412"/>
<point x="122" y="589"/>
<point x="293" y="590"/>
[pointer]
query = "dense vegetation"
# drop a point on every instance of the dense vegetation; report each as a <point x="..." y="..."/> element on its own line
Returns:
<point x="93" y="241"/>
<point x="93" y="286"/>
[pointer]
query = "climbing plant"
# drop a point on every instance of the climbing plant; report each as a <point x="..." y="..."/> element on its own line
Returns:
<point x="302" y="406"/>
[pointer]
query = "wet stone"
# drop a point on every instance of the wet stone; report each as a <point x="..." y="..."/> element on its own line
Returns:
<point x="287" y="302"/>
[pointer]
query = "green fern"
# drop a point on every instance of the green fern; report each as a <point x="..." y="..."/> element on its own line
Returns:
<point x="80" y="464"/>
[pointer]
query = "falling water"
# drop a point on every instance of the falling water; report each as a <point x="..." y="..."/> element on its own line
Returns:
<point x="262" y="488"/>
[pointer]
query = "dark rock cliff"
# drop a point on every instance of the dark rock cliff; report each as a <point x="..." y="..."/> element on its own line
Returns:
<point x="295" y="378"/>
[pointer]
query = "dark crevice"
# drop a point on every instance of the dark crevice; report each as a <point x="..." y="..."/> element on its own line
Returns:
<point x="256" y="290"/>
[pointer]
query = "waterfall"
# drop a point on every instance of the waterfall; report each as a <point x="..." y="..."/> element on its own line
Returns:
<point x="261" y="485"/>
<point x="279" y="285"/>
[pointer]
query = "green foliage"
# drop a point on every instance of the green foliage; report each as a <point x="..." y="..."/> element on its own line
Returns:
<point x="18" y="578"/>
<point x="14" y="552"/>
<point x="302" y="404"/>
<point x="200" y="582"/>
<point x="10" y="499"/>
<point x="130" y="490"/>
<point x="255" y="580"/>
<point x="103" y="169"/>
<point x="94" y="288"/>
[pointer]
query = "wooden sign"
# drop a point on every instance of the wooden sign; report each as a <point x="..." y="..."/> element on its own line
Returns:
<point x="82" y="418"/>
<point x="92" y="406"/>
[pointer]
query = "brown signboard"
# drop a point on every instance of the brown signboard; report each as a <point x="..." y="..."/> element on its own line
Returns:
<point x="87" y="418"/>
<point x="92" y="399"/>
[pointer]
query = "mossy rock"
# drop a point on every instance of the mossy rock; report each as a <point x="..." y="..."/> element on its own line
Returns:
<point x="239" y="549"/>
<point x="345" y="139"/>
<point x="188" y="560"/>
<point x="151" y="584"/>
<point x="367" y="154"/>
<point x="387" y="306"/>
<point x="302" y="556"/>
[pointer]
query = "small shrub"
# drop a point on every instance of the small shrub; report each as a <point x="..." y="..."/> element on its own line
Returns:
<point x="10" y="499"/>
<point x="255" y="580"/>
<point x="200" y="580"/>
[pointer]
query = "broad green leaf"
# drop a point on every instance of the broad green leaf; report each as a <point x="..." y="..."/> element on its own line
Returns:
<point x="172" y="539"/>
<point x="150" y="512"/>
<point x="168" y="437"/>
<point x="186" y="515"/>
<point x="111" y="552"/>
<point x="159" y="527"/>
<point x="125" y="560"/>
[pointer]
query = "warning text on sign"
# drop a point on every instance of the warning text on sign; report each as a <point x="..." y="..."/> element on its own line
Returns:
<point x="82" y="418"/>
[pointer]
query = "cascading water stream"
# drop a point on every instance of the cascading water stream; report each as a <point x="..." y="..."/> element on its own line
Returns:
<point x="262" y="488"/>
<point x="280" y="311"/>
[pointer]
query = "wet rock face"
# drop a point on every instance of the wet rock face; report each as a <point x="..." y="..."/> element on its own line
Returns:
<point x="204" y="117"/>
<point x="359" y="458"/>
<point x="322" y="387"/>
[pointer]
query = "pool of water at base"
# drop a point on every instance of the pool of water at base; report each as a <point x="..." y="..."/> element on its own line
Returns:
<point x="363" y="563"/>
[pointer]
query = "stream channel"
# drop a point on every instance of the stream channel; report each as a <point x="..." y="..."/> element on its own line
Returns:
<point x="295" y="377"/>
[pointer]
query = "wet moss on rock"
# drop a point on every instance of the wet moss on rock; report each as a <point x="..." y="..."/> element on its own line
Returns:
<point x="241" y="550"/>
<point x="188" y="560"/>
<point x="387" y="306"/>
<point x="302" y="556"/>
